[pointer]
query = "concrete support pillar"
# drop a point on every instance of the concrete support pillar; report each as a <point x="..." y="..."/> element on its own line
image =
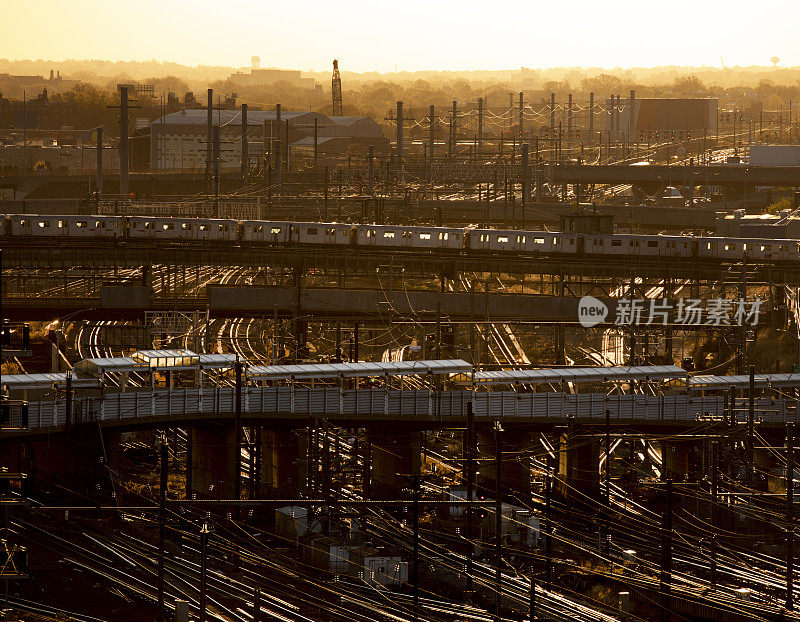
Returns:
<point x="674" y="461"/>
<point x="213" y="461"/>
<point x="282" y="464"/>
<point x="515" y="473"/>
<point x="395" y="454"/>
<point x="579" y="466"/>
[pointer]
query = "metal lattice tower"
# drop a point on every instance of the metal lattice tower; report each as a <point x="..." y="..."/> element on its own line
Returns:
<point x="336" y="90"/>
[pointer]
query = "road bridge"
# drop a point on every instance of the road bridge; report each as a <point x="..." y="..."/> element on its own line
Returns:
<point x="108" y="255"/>
<point x="326" y="305"/>
<point x="427" y="408"/>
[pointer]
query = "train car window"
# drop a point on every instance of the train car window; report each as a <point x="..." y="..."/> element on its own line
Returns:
<point x="708" y="246"/>
<point x="168" y="226"/>
<point x="22" y="223"/>
<point x="226" y="227"/>
<point x="458" y="236"/>
<point x="729" y="247"/>
<point x="203" y="227"/>
<point x="572" y="242"/>
<point x="44" y="224"/>
<point x="520" y="239"/>
<point x="388" y="234"/>
<point x="538" y="240"/>
<point x="275" y="230"/>
<point x="616" y="242"/>
<point x="424" y="236"/>
<point x="97" y="224"/>
<point x="744" y="247"/>
<point x="80" y="224"/>
<point x="260" y="228"/>
<point x="556" y="240"/>
<point x="60" y="224"/>
<point x="502" y="239"/>
<point x="184" y="225"/>
<point x="443" y="236"/>
<point x="330" y="231"/>
<point x="652" y="243"/>
<point x="311" y="231"/>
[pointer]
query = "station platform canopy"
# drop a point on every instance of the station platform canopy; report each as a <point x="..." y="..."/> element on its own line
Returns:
<point x="167" y="359"/>
<point x="45" y="381"/>
<point x="98" y="366"/>
<point x="357" y="370"/>
<point x="711" y="383"/>
<point x="581" y="374"/>
<point x="161" y="360"/>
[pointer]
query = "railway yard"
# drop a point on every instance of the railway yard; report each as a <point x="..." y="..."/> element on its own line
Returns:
<point x="522" y="380"/>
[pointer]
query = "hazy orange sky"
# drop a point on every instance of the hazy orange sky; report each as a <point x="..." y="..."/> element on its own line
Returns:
<point x="412" y="35"/>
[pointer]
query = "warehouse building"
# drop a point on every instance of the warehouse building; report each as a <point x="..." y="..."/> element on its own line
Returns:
<point x="178" y="141"/>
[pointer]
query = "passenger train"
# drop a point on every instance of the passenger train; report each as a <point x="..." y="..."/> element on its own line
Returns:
<point x="394" y="236"/>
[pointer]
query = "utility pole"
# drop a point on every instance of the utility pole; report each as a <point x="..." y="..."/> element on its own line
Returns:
<point x="237" y="482"/>
<point x="454" y="133"/>
<point x="480" y="125"/>
<point x="526" y="182"/>
<point x="789" y="516"/>
<point x="209" y="136"/>
<point x="216" y="155"/>
<point x="714" y="521"/>
<point x="99" y="171"/>
<point x="498" y="518"/>
<point x="569" y="116"/>
<point x="521" y="117"/>
<point x="203" y="556"/>
<point x="631" y="113"/>
<point x="245" y="146"/>
<point x="25" y="132"/>
<point x="124" y="107"/>
<point x="666" y="555"/>
<point x="370" y="171"/>
<point x="591" y="111"/>
<point x="431" y="129"/>
<point x="416" y="480"/>
<point x="162" y="495"/>
<point x="751" y="425"/>
<point x="278" y="128"/>
<point x="316" y="142"/>
<point x="470" y="479"/>
<point x="399" y="138"/>
<point x="606" y="543"/>
<point x="552" y="111"/>
<point x="548" y="544"/>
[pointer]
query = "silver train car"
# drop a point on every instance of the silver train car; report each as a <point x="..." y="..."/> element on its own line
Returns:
<point x="493" y="241"/>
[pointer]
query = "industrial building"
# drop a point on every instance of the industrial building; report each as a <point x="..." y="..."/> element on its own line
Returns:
<point x="178" y="141"/>
<point x="264" y="77"/>
<point x="641" y="119"/>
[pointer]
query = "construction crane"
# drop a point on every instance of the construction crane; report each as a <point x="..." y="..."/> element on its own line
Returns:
<point x="336" y="90"/>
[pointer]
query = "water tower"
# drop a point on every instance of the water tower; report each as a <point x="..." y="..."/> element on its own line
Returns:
<point x="255" y="63"/>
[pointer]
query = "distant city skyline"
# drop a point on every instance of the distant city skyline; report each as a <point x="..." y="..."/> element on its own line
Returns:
<point x="413" y="36"/>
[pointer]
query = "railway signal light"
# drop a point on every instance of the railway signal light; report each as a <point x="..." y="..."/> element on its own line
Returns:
<point x="641" y="135"/>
